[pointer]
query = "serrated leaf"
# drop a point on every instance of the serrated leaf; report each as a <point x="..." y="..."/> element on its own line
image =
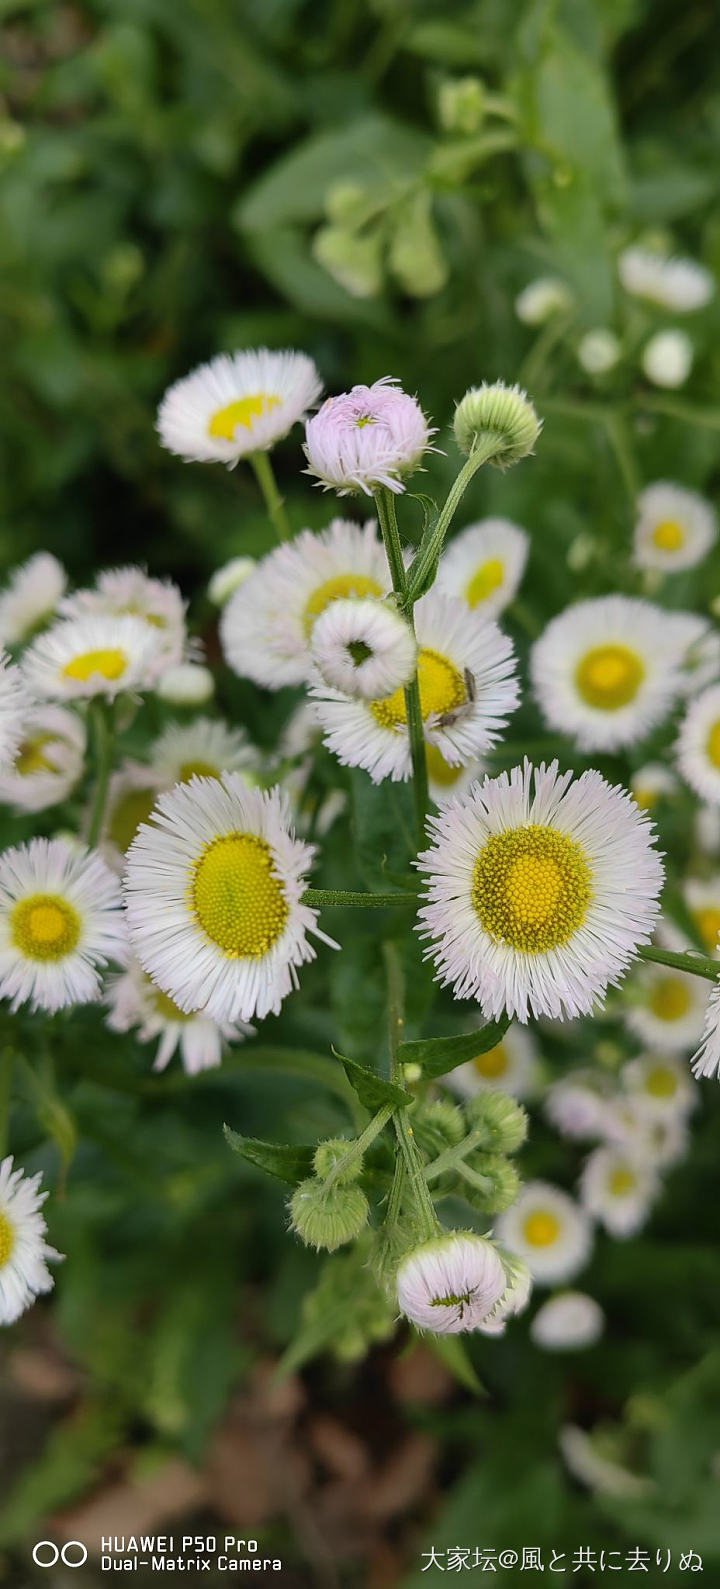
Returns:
<point x="371" y="1089"/>
<point x="289" y="1163"/>
<point x="438" y="1055"/>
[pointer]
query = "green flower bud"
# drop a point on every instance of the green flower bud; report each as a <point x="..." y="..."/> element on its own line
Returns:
<point x="414" y="256"/>
<point x="500" y="1121"/>
<point x="329" y="1156"/>
<point x="327" y="1218"/>
<point x="461" y="104"/>
<point x="354" y="261"/>
<point x="504" y="1183"/>
<point x="437" y="1126"/>
<point x="504" y="412"/>
<point x="347" y="204"/>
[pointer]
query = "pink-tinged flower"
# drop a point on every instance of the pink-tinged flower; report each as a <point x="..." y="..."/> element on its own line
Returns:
<point x="369" y="437"/>
<point x="451" y="1283"/>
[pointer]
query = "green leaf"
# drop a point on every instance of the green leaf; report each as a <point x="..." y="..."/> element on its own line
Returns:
<point x="370" y="149"/>
<point x="452" y="1353"/>
<point x="372" y="1091"/>
<point x="438" y="1055"/>
<point x="383" y="822"/>
<point x="282" y="1159"/>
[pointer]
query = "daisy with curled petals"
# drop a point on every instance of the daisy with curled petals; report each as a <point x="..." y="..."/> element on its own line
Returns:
<point x="213" y="890"/>
<point x="48" y="762"/>
<point x="370" y="437"/>
<point x="607" y="671"/>
<point x="14" y="706"/>
<point x="568" y="1322"/>
<point x="702" y="897"/>
<point x="266" y="626"/>
<point x="528" y="907"/>
<point x="205" y="748"/>
<point x="130" y="592"/>
<point x="60" y="924"/>
<point x="24" y="1252"/>
<point x="618" y="1189"/>
<point x="666" y="1007"/>
<point x="549" y="1230"/>
<point x="672" y="283"/>
<point x="468" y="688"/>
<point x="30" y="598"/>
<point x="660" y="1085"/>
<point x="237" y="404"/>
<point x="451" y="1283"/>
<point x="675" y="528"/>
<point x="508" y="1067"/>
<point x="82" y="657"/>
<point x="364" y="648"/>
<point x="136" y="1004"/>
<point x="698" y="745"/>
<point x="484" y="565"/>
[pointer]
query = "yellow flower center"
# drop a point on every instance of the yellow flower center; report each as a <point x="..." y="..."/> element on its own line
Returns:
<point x="621" y="1182"/>
<point x="541" y="1229"/>
<point x="237" y="896"/>
<point x="109" y="664"/>
<point x="7" y="1240"/>
<point x="668" y="536"/>
<point x="708" y="925"/>
<point x="670" y="999"/>
<point x="332" y="590"/>
<point x="130" y="809"/>
<point x="45" y="927"/>
<point x="442" y="689"/>
<point x="492" y="1064"/>
<point x="531" y="888"/>
<point x="439" y="770"/>
<point x="713" y="744"/>
<point x="609" y="676"/>
<point x="485" y="581"/>
<point x="646" y="799"/>
<point x="165" y="1006"/>
<point x="199" y="769"/>
<point x="243" y="411"/>
<point x="661" y="1082"/>
<point x="31" y="756"/>
<point x="134" y="610"/>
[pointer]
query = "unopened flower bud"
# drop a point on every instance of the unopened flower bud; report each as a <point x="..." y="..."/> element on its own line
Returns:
<point x="503" y="1178"/>
<point x="353" y="259"/>
<point x="327" y="1218"/>
<point x="414" y="255"/>
<point x="541" y="299"/>
<point x="500" y="411"/>
<point x="667" y="359"/>
<point x="229" y="578"/>
<point x="599" y="351"/>
<point x="329" y="1157"/>
<point x="461" y="104"/>
<point x="451" y="1283"/>
<point x="187" y="684"/>
<point x="500" y="1121"/>
<point x="437" y="1126"/>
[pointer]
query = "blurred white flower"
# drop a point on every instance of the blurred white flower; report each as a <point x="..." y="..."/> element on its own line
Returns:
<point x="237" y="404"/>
<point x="599" y="351"/>
<point x="568" y="1322"/>
<point x="549" y="1230"/>
<point x="30" y="598"/>
<point x="667" y="358"/>
<point x="676" y="284"/>
<point x="543" y="298"/>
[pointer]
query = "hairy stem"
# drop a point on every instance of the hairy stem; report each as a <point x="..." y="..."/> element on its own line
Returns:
<point x="698" y="965"/>
<point x="274" y="502"/>
<point x="103" y="726"/>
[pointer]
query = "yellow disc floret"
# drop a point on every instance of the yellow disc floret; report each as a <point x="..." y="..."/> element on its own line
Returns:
<point x="531" y="888"/>
<point x="541" y="1228"/>
<point x="708" y="925"/>
<point x="109" y="664"/>
<point x="341" y="585"/>
<point x="243" y="411"/>
<point x="237" y="896"/>
<point x="45" y="927"/>
<point x="661" y="1082"/>
<point x="485" y="581"/>
<point x="439" y="770"/>
<point x="31" y="757"/>
<point x="713" y="744"/>
<point x="197" y="769"/>
<point x="7" y="1240"/>
<point x="128" y="811"/>
<point x="609" y="677"/>
<point x="668" y="536"/>
<point x="670" y="999"/>
<point x="442" y="689"/>
<point x="492" y="1064"/>
<point x="621" y="1182"/>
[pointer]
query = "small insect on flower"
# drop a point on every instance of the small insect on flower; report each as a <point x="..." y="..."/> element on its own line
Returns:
<point x="369" y="437"/>
<point x="24" y="1252"/>
<point x="675" y="528"/>
<point x="82" y="657"/>
<point x="568" y="1322"/>
<point x="213" y="890"/>
<point x="548" y="1230"/>
<point x="698" y="746"/>
<point x="136" y="1004"/>
<point x="60" y="924"/>
<point x="468" y="688"/>
<point x="364" y="648"/>
<point x="484" y="565"/>
<point x="451" y="1283"/>
<point x="48" y="762"/>
<point x="266" y="627"/>
<point x="510" y="1066"/>
<point x="527" y="901"/>
<point x="677" y="284"/>
<point x="14" y="708"/>
<point x="30" y="598"/>
<point x="618" y="1189"/>
<point x="237" y="404"/>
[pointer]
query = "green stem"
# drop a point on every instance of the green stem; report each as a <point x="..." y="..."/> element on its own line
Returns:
<point x="361" y="1143"/>
<point x="7" y="1058"/>
<point x="274" y="502"/>
<point x="103" y="721"/>
<point x="413" y="706"/>
<point x="699" y="965"/>
<point x="618" y="438"/>
<point x="341" y="897"/>
<point x="385" y="503"/>
<point x="675" y="408"/>
<point x="426" y="559"/>
<point x="424" y="1207"/>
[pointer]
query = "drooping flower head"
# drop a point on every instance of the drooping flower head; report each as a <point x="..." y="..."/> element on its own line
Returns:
<point x="484" y="565"/>
<point x="24" y="1252"/>
<point x="82" y="657"/>
<point x="369" y="437"/>
<point x="30" y="598"/>
<point x="60" y="924"/>
<point x="186" y="684"/>
<point x="675" y="528"/>
<point x="498" y="411"/>
<point x="550" y="1231"/>
<point x="451" y="1283"/>
<point x="528" y="906"/>
<point x="237" y="404"/>
<point x="136" y="1004"/>
<point x="364" y="648"/>
<point x="48" y="762"/>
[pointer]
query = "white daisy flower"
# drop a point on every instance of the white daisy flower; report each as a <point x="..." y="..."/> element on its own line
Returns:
<point x="514" y="1299"/>
<point x="132" y="792"/>
<point x="484" y="565"/>
<point x="660" y="1085"/>
<point x="606" y="672"/>
<point x="363" y="647"/>
<point x="300" y="741"/>
<point x="702" y="897"/>
<point x="468" y="688"/>
<point x="24" y="1252"/>
<point x="14" y="707"/>
<point x="677" y="284"/>
<point x="652" y="783"/>
<point x="666" y="1008"/>
<point x="451" y="1283"/>
<point x="618" y="1189"/>
<point x="540" y="888"/>
<point x="30" y="598"/>
<point x="205" y="747"/>
<point x="266" y="626"/>
<point x="186" y="684"/>
<point x="602" y="1473"/>
<point x="706" y="1061"/>
<point x="60" y="923"/>
<point x="214" y="892"/>
<point x="510" y="1066"/>
<point x="707" y="829"/>
<point x="448" y="783"/>
<point x="137" y="1004"/>
<point x="237" y="404"/>
<point x="578" y="1105"/>
<point x="48" y="762"/>
<point x="698" y="745"/>
<point x="599" y="351"/>
<point x="654" y="1138"/>
<point x="372" y="436"/>
<point x="82" y="657"/>
<point x="675" y="528"/>
<point x="568" y="1322"/>
<point x="701" y="665"/>
<point x="229" y="578"/>
<point x="130" y="592"/>
<point x="541" y="299"/>
<point x="547" y="1229"/>
<point x="667" y="358"/>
